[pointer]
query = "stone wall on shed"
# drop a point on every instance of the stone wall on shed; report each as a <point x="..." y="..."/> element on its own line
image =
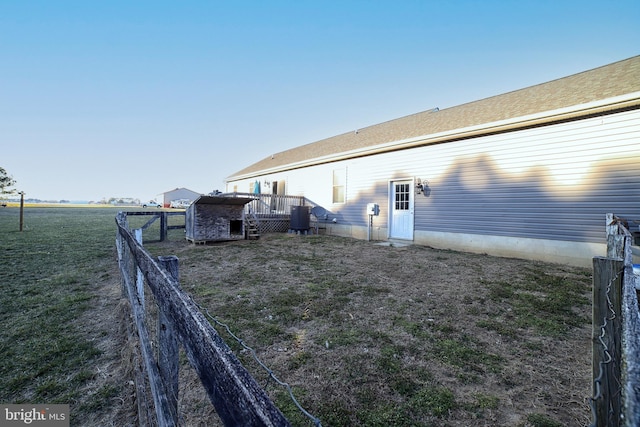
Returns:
<point x="206" y="222"/>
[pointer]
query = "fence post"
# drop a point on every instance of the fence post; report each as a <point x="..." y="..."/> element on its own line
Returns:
<point x="120" y="250"/>
<point x="163" y="226"/>
<point x="139" y="276"/>
<point x="168" y="348"/>
<point x="615" y="240"/>
<point x="630" y="350"/>
<point x="607" y="328"/>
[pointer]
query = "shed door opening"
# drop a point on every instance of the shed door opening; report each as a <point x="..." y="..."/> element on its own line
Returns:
<point x="235" y="226"/>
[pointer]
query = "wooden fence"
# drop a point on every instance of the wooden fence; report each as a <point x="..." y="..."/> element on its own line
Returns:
<point x="234" y="393"/>
<point x="163" y="216"/>
<point x="616" y="332"/>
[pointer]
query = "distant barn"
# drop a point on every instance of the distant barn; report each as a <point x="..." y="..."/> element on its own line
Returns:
<point x="178" y="194"/>
<point x="216" y="218"/>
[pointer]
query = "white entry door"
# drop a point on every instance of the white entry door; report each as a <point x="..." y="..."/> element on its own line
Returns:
<point x="401" y="203"/>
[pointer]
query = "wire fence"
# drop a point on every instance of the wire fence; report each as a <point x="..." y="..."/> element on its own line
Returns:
<point x="269" y="372"/>
<point x="605" y="404"/>
<point x="616" y="332"/>
<point x="167" y="317"/>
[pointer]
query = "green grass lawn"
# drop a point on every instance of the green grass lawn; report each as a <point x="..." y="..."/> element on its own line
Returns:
<point x="49" y="274"/>
<point x="400" y="345"/>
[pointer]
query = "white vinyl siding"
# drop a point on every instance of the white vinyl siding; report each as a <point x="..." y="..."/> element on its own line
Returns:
<point x="551" y="182"/>
<point x="555" y="182"/>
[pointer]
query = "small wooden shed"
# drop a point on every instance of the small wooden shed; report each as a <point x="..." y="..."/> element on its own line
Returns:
<point x="215" y="218"/>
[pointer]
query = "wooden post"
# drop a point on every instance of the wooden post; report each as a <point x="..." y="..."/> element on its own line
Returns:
<point x="607" y="330"/>
<point x="163" y="226"/>
<point x="121" y="262"/>
<point x="237" y="397"/>
<point x="630" y="350"/>
<point x="168" y="349"/>
<point x="21" y="210"/>
<point x="139" y="276"/>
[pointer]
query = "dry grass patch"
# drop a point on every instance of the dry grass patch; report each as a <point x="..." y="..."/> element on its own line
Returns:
<point x="381" y="335"/>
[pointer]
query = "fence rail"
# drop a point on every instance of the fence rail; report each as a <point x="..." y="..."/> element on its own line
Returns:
<point x="616" y="332"/>
<point x="163" y="216"/>
<point x="234" y="393"/>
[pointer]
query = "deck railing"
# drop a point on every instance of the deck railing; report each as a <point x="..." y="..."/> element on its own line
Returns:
<point x="269" y="205"/>
<point x="272" y="211"/>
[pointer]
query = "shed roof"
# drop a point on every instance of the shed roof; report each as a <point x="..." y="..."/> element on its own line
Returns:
<point x="561" y="95"/>
<point x="221" y="200"/>
<point x="179" y="189"/>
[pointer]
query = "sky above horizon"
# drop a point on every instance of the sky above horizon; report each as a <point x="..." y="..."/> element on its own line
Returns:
<point x="132" y="99"/>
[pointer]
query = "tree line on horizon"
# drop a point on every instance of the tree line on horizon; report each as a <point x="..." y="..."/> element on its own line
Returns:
<point x="7" y="187"/>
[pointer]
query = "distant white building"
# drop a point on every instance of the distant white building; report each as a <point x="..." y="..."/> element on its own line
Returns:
<point x="178" y="194"/>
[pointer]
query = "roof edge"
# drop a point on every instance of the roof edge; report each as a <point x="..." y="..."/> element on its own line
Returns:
<point x="574" y="112"/>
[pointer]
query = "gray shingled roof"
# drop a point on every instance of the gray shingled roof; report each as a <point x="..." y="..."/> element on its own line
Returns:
<point x="619" y="78"/>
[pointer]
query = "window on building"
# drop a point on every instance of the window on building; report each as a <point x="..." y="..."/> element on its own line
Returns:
<point x="402" y="197"/>
<point x="339" y="184"/>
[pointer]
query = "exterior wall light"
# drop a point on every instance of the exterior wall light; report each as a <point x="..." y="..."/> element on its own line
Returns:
<point x="422" y="187"/>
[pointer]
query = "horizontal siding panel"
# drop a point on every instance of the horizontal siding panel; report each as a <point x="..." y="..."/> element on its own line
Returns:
<point x="553" y="182"/>
<point x="477" y="195"/>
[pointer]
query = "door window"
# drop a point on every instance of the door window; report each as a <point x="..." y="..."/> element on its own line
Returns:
<point x="402" y="197"/>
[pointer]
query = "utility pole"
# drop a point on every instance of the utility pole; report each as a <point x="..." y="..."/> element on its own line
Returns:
<point x="21" y="209"/>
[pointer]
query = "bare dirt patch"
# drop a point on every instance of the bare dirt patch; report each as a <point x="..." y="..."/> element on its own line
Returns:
<point x="371" y="334"/>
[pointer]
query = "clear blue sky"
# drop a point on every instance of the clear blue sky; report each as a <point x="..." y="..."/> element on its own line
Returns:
<point x="134" y="98"/>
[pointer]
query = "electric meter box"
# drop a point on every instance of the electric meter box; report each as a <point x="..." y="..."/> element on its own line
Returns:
<point x="373" y="209"/>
